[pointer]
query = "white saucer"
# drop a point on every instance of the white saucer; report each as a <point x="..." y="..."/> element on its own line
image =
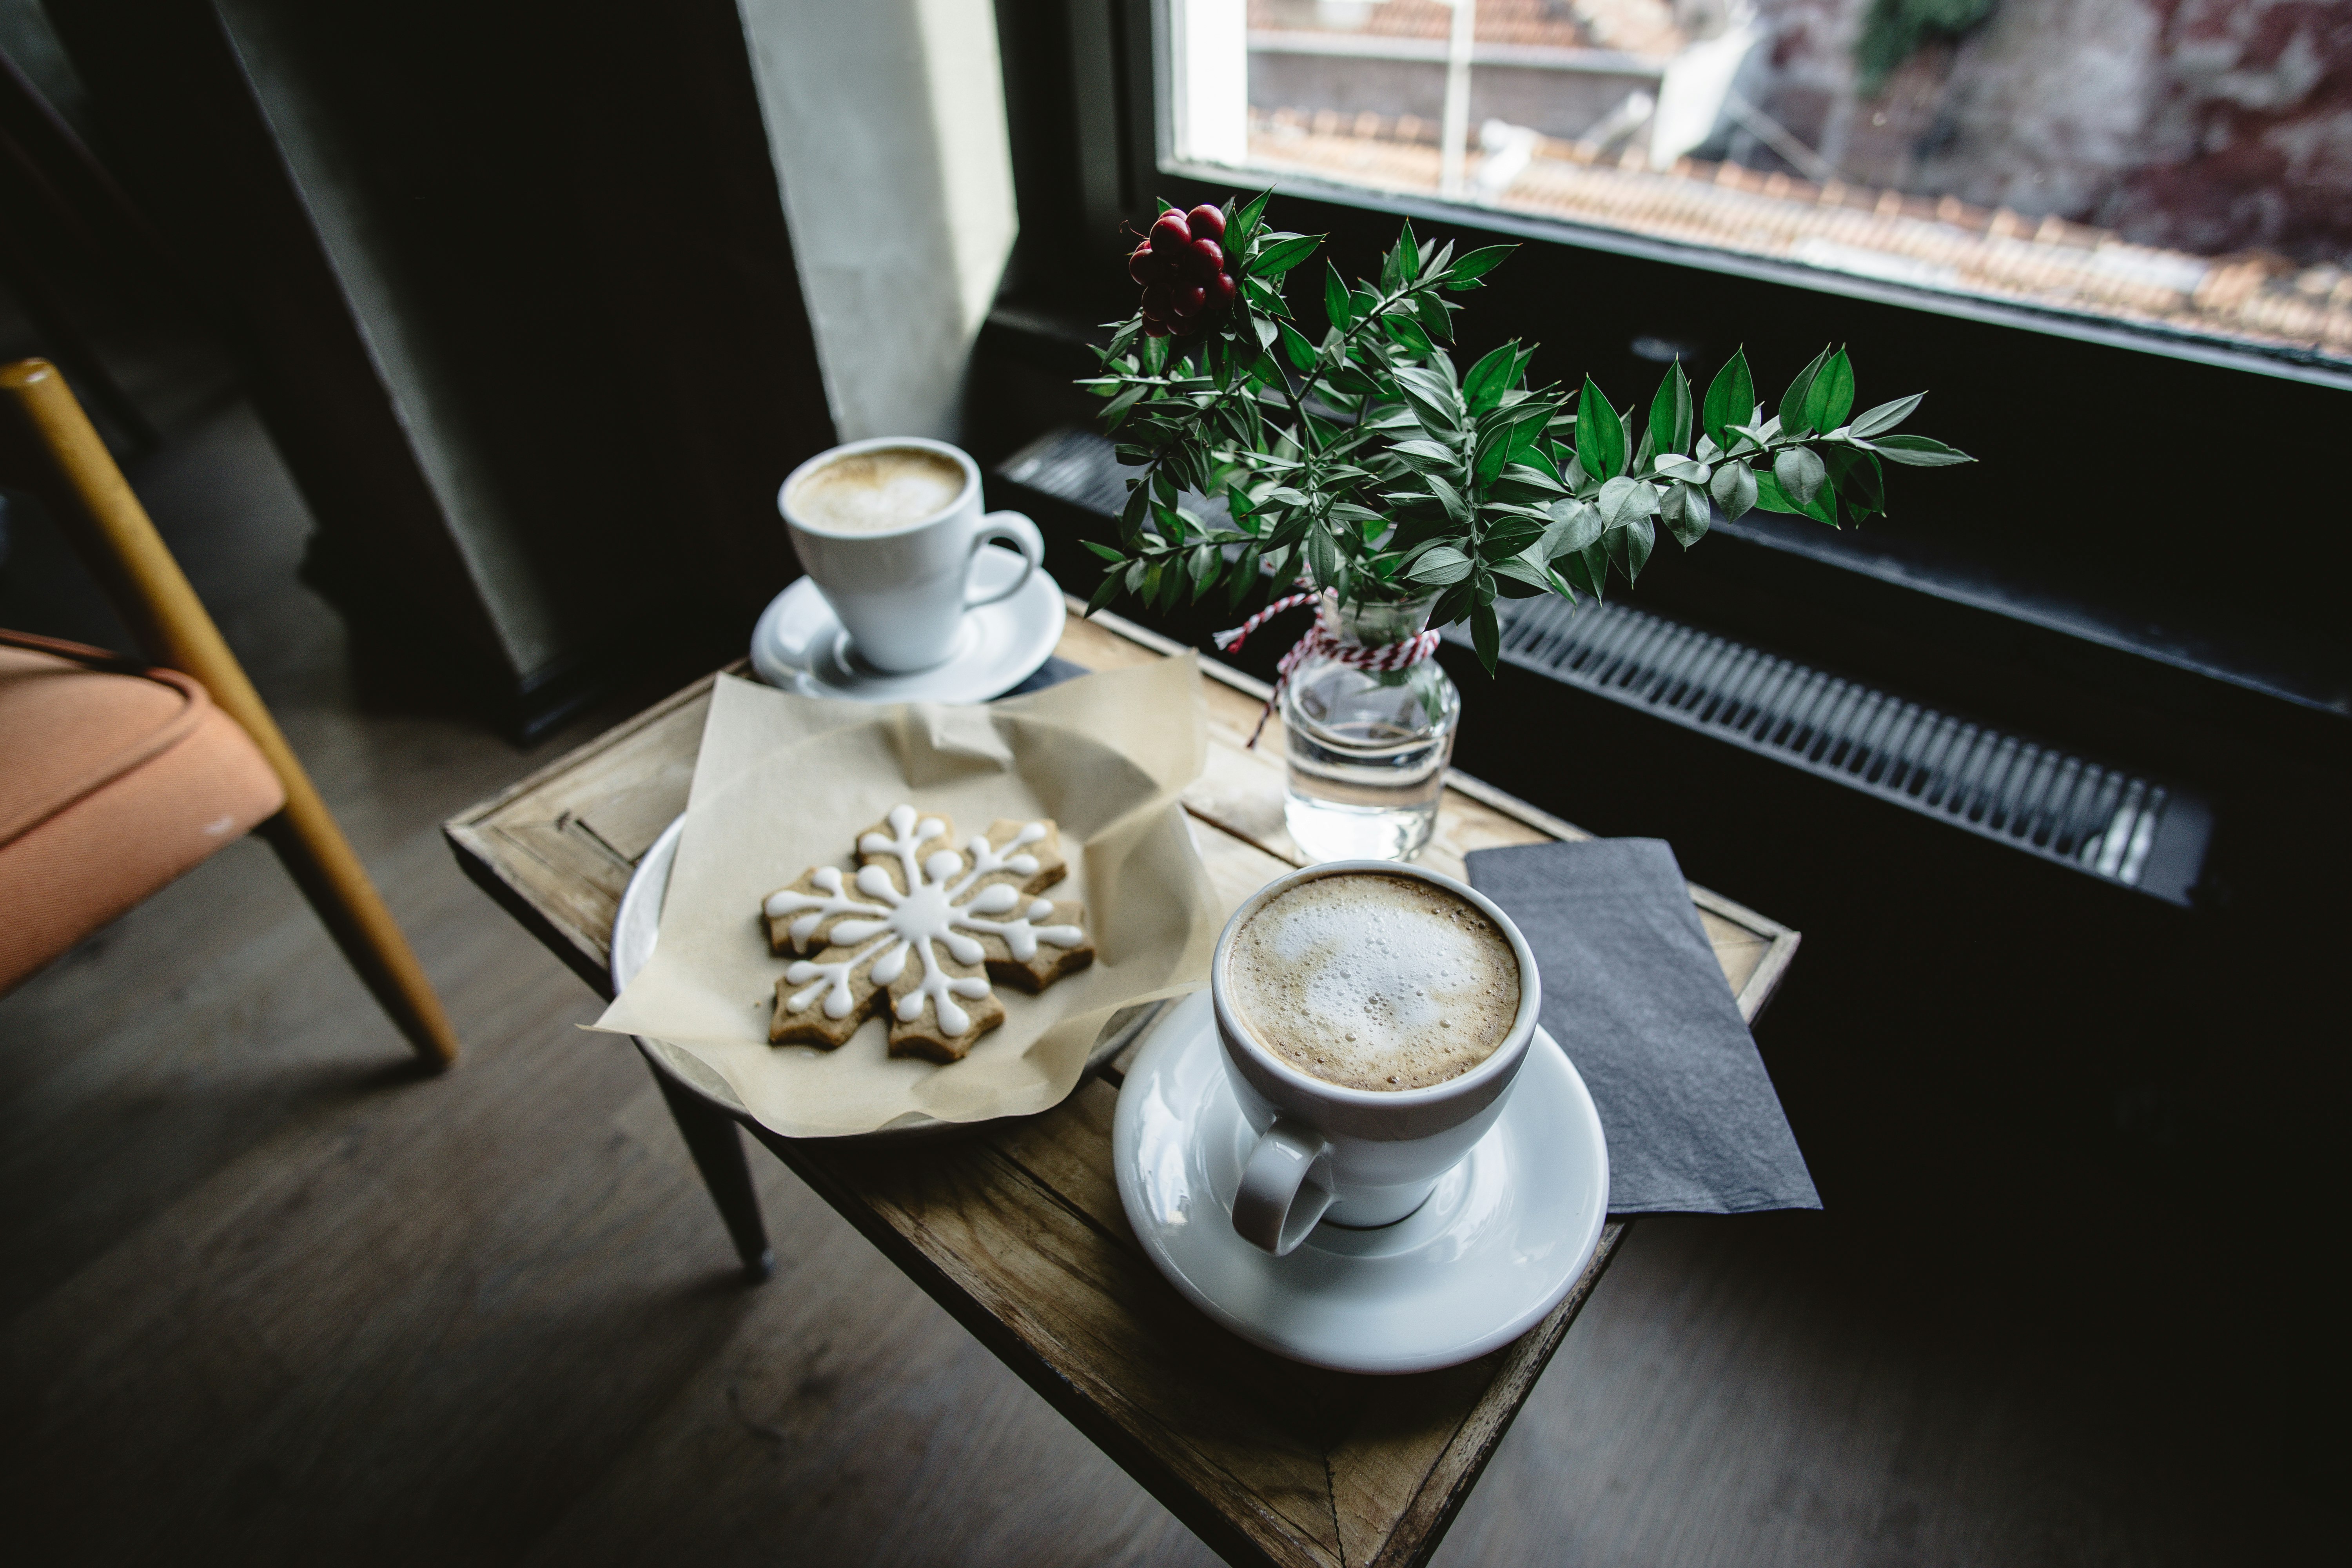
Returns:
<point x="799" y="645"/>
<point x="1495" y="1247"/>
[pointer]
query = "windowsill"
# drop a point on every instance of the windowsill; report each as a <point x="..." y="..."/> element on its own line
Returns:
<point x="2212" y="642"/>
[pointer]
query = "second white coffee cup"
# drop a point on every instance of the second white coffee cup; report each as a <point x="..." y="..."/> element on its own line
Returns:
<point x="901" y="591"/>
<point x="1356" y="1157"/>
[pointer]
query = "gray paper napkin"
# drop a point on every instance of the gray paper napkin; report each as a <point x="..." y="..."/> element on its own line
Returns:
<point x="1053" y="672"/>
<point x="1633" y="992"/>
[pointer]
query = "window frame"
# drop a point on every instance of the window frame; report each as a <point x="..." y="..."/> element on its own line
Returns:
<point x="1151" y="152"/>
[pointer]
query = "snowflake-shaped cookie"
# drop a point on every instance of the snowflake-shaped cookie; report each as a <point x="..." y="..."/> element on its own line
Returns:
<point x="923" y="933"/>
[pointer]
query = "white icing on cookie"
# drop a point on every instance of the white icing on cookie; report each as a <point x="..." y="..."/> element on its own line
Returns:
<point x="938" y="908"/>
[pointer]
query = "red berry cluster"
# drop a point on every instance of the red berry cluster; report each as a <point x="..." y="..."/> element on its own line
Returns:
<point x="1182" y="265"/>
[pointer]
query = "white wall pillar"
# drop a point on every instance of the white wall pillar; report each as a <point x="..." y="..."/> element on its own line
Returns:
<point x="886" y="120"/>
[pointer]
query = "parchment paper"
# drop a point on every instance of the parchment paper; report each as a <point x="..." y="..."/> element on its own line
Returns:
<point x="784" y="783"/>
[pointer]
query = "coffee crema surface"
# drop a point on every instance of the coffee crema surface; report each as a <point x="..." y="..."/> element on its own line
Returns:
<point x="1374" y="982"/>
<point x="871" y="492"/>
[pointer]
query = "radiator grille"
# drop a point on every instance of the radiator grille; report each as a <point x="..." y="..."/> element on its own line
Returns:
<point x="1074" y="466"/>
<point x="2102" y="820"/>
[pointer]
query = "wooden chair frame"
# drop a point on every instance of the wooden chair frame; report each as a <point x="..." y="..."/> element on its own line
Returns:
<point x="48" y="445"/>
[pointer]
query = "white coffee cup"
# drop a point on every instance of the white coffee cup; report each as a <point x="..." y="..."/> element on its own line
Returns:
<point x="901" y="591"/>
<point x="1356" y="1157"/>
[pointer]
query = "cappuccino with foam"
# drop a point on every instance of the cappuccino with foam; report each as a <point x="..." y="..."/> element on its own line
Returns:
<point x="876" y="490"/>
<point x="1374" y="982"/>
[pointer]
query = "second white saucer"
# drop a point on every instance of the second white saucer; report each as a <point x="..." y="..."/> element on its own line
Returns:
<point x="1508" y="1233"/>
<point x="800" y="646"/>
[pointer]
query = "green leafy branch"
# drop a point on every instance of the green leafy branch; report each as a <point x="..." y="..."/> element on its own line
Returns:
<point x="1365" y="464"/>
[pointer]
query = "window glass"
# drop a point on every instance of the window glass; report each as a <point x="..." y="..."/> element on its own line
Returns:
<point x="2184" y="163"/>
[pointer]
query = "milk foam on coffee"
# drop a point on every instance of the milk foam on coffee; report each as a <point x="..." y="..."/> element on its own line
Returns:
<point x="868" y="493"/>
<point x="1374" y="982"/>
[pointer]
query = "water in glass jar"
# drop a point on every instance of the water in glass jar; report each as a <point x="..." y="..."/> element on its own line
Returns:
<point x="1367" y="758"/>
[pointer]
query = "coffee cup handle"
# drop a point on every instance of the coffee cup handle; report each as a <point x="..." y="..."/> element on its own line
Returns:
<point x="1011" y="528"/>
<point x="1285" y="1187"/>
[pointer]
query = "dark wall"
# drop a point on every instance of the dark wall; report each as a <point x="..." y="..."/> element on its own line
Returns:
<point x="570" y="364"/>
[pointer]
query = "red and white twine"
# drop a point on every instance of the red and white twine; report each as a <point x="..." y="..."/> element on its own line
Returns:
<point x="1323" y="638"/>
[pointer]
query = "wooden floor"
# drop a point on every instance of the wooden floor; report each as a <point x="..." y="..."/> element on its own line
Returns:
<point x="270" y="1298"/>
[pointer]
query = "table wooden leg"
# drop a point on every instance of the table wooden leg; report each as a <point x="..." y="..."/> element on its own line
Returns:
<point x="718" y="1149"/>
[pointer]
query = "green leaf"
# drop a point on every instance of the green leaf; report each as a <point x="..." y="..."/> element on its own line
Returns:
<point x="1792" y="402"/>
<point x="1431" y="402"/>
<point x="1918" y="451"/>
<point x="1691" y="518"/>
<point x="1477" y="264"/>
<point x="1625" y="501"/>
<point x="1108" y="589"/>
<point x="1282" y="253"/>
<point x="1295" y="346"/>
<point x="1117" y="407"/>
<point x="1434" y="319"/>
<point x="1734" y="489"/>
<point x="1800" y="472"/>
<point x="1419" y="453"/>
<point x="1323" y="558"/>
<point x="1730" y="399"/>
<point x="1683" y="468"/>
<point x="1486" y="635"/>
<point x="1831" y="397"/>
<point x="1576" y="524"/>
<point x="1507" y="534"/>
<point x="1531" y="576"/>
<point x="1335" y="299"/>
<point x="1856" y="476"/>
<point x="1492" y="456"/>
<point x="1407" y="331"/>
<point x="1770" y="496"/>
<point x="1525" y="483"/>
<point x="1243" y="229"/>
<point x="1434" y="264"/>
<point x="1484" y="387"/>
<point x="1441" y="566"/>
<point x="1670" y="411"/>
<point x="1408" y="256"/>
<point x="1600" y="433"/>
<point x="1886" y="415"/>
<point x="1104" y="551"/>
<point x="1588" y="569"/>
<point x="1630" y="547"/>
<point x="1449" y="498"/>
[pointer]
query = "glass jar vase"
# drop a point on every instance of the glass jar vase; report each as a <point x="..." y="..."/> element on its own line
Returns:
<point x="1367" y="748"/>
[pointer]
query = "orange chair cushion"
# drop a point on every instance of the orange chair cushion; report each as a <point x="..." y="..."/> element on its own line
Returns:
<point x="115" y="781"/>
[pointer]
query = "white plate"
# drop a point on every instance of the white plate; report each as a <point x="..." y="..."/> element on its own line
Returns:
<point x="1507" y="1233"/>
<point x="800" y="646"/>
<point x="639" y="921"/>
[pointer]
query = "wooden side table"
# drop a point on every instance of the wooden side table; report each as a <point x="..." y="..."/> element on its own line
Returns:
<point x="1016" y="1229"/>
